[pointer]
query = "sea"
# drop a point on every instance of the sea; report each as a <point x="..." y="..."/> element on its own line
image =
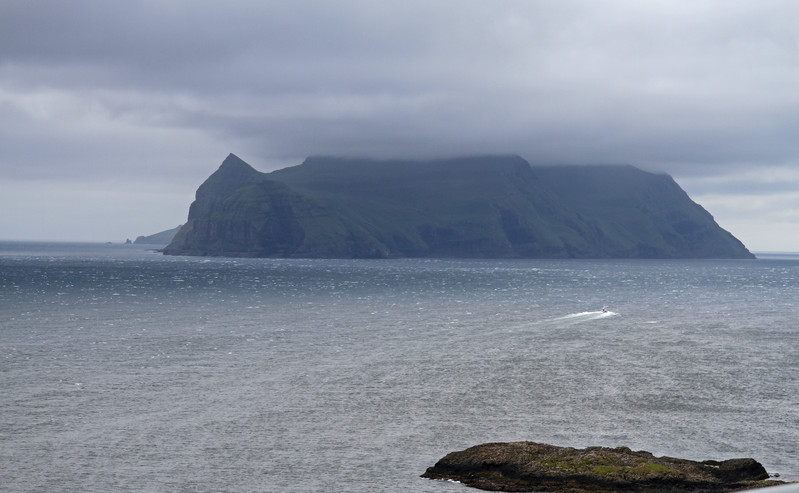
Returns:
<point x="122" y="369"/>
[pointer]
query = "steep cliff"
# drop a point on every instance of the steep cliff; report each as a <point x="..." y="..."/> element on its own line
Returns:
<point x="489" y="206"/>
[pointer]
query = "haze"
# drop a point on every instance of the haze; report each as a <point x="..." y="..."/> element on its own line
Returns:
<point x="112" y="113"/>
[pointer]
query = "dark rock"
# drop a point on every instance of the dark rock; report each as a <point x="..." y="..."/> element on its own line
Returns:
<point x="529" y="466"/>
<point x="737" y="470"/>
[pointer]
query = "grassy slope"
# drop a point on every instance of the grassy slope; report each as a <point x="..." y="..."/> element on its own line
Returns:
<point x="444" y="208"/>
<point x="643" y="213"/>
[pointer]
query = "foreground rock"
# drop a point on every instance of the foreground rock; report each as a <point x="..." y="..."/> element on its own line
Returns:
<point x="529" y="466"/>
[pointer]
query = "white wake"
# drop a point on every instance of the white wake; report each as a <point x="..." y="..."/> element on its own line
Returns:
<point x="586" y="316"/>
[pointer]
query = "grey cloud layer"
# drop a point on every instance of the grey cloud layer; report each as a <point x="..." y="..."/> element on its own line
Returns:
<point x="670" y="85"/>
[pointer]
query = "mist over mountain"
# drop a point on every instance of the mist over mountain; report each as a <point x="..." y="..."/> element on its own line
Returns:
<point x="478" y="207"/>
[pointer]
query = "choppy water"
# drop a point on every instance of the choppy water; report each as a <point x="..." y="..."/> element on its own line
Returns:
<point x="124" y="370"/>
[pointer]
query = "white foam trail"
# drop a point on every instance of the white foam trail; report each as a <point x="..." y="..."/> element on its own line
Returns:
<point x="581" y="316"/>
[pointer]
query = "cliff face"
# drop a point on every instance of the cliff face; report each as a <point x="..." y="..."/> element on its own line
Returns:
<point x="494" y="206"/>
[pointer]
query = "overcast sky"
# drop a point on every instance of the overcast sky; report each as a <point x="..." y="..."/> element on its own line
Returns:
<point x="113" y="113"/>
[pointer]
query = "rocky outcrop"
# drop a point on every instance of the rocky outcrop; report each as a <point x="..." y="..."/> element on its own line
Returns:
<point x="530" y="466"/>
<point x="162" y="238"/>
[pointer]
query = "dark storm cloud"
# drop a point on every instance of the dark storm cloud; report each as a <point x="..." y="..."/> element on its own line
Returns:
<point x="202" y="47"/>
<point x="155" y="90"/>
<point x="661" y="83"/>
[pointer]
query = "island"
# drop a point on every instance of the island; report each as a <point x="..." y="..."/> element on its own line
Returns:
<point x="471" y="207"/>
<point x="531" y="466"/>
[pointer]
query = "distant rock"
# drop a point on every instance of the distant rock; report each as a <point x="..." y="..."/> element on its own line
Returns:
<point x="162" y="238"/>
<point x="482" y="207"/>
<point x="530" y="466"/>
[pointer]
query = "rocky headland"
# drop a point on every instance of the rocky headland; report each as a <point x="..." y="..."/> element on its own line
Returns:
<point x="478" y="207"/>
<point x="530" y="466"/>
<point x="162" y="238"/>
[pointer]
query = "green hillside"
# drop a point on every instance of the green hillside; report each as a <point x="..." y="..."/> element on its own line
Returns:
<point x="489" y="206"/>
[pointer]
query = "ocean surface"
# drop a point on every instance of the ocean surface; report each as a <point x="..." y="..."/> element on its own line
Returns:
<point x="125" y="370"/>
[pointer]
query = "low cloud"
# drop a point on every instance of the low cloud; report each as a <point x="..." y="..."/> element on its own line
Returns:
<point x="163" y="91"/>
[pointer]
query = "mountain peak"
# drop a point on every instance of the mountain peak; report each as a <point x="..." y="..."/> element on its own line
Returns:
<point x="233" y="174"/>
<point x="233" y="162"/>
